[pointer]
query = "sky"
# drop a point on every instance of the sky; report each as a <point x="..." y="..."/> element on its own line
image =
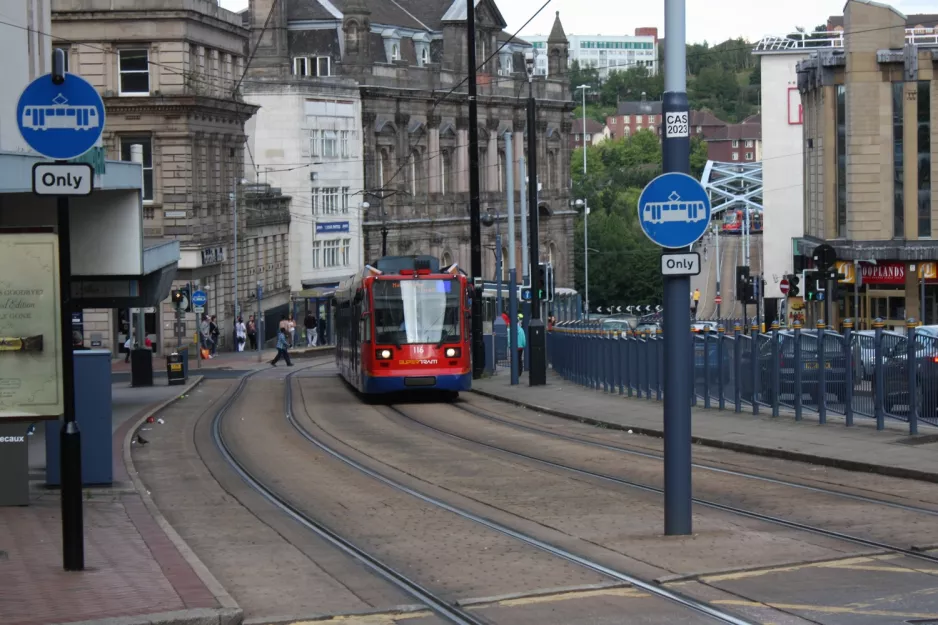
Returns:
<point x="707" y="20"/>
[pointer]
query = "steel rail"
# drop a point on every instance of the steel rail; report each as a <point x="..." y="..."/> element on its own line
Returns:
<point x="451" y="613"/>
<point x="703" y="502"/>
<point x="483" y="414"/>
<point x="649" y="587"/>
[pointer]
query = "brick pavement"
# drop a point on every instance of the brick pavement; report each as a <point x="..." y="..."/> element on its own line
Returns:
<point x="246" y="360"/>
<point x="132" y="568"/>
<point x="857" y="448"/>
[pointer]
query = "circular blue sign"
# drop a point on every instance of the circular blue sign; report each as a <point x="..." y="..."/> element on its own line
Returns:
<point x="674" y="210"/>
<point x="60" y="121"/>
<point x="199" y="298"/>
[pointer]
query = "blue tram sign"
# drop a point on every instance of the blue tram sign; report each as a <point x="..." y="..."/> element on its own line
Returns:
<point x="60" y="121"/>
<point x="674" y="210"/>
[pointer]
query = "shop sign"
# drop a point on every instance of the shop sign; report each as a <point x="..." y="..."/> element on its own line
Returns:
<point x="928" y="270"/>
<point x="883" y="273"/>
<point x="332" y="226"/>
<point x="846" y="268"/>
<point x="213" y="255"/>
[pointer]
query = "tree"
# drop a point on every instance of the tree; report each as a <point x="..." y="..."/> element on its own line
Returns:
<point x="698" y="156"/>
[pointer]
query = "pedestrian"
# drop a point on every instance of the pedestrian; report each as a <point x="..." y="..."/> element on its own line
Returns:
<point x="205" y="332"/>
<point x="128" y="345"/>
<point x="241" y="332"/>
<point x="291" y="330"/>
<point x="323" y="339"/>
<point x="252" y="332"/>
<point x="520" y="345"/>
<point x="214" y="332"/>
<point x="311" y="329"/>
<point x="696" y="301"/>
<point x="284" y="324"/>
<point x="282" y="344"/>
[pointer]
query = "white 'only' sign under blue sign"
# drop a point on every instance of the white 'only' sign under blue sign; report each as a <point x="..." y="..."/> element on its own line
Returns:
<point x="60" y="121"/>
<point x="674" y="210"/>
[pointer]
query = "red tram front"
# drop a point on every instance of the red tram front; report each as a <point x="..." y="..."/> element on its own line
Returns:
<point x="404" y="330"/>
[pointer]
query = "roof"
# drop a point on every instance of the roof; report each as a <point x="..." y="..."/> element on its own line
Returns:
<point x="928" y="20"/>
<point x="457" y="11"/>
<point x="705" y="118"/>
<point x="639" y="108"/>
<point x="592" y="126"/>
<point x="736" y="132"/>
<point x="556" y="33"/>
<point x="753" y="119"/>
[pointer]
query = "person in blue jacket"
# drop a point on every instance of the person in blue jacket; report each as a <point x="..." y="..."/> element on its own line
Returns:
<point x="522" y="343"/>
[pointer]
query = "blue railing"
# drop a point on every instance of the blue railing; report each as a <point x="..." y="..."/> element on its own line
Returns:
<point x="817" y="371"/>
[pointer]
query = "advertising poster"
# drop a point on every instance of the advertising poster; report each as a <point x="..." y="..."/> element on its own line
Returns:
<point x="30" y="339"/>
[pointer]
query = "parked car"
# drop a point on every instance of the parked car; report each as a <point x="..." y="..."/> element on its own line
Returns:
<point x="895" y="372"/>
<point x="834" y="365"/>
<point x="615" y="325"/>
<point x="865" y="350"/>
<point x="700" y="326"/>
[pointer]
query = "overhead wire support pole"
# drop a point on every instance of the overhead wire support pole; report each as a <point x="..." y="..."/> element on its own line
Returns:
<point x="677" y="347"/>
<point x="537" y="340"/>
<point x="586" y="220"/>
<point x="475" y="217"/>
<point x="512" y="267"/>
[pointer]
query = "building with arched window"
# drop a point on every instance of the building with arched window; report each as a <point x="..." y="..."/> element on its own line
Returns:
<point x="410" y="67"/>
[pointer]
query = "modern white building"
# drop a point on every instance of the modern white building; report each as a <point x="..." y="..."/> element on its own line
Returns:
<point x="782" y="151"/>
<point x="607" y="53"/>
<point x="307" y="140"/>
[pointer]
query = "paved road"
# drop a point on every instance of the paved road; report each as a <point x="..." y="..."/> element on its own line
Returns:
<point x="731" y="255"/>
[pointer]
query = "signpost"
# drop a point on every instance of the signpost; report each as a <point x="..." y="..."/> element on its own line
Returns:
<point x="61" y="116"/>
<point x="783" y="286"/>
<point x="717" y="300"/>
<point x="199" y="299"/>
<point x="674" y="212"/>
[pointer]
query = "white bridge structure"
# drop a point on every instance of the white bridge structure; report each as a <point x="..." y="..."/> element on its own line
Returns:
<point x="731" y="187"/>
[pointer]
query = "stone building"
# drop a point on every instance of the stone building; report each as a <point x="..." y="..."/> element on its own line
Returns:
<point x="169" y="73"/>
<point x="870" y="164"/>
<point x="410" y="67"/>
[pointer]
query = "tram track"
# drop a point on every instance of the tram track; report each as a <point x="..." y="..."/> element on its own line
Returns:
<point x="650" y="587"/>
<point x="438" y="605"/>
<point x="713" y="505"/>
<point x="488" y="416"/>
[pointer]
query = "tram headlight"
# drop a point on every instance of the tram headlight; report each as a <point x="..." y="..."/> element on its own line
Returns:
<point x="384" y="354"/>
<point x="452" y="352"/>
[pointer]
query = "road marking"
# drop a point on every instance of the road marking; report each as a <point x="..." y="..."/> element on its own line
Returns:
<point x="368" y="619"/>
<point x="588" y="594"/>
<point x="833" y="609"/>
<point x="849" y="564"/>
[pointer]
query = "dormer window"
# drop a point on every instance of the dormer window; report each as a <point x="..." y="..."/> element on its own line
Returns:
<point x="424" y="56"/>
<point x="395" y="52"/>
<point x="422" y="48"/>
<point x="392" y="44"/>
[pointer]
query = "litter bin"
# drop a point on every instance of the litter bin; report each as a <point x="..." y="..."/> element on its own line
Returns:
<point x="93" y="414"/>
<point x="14" y="464"/>
<point x="141" y="367"/>
<point x="176" y="368"/>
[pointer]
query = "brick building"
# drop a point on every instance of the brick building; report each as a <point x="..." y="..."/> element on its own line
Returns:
<point x="591" y="134"/>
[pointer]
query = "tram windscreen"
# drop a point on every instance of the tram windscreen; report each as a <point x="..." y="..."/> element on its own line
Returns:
<point x="416" y="311"/>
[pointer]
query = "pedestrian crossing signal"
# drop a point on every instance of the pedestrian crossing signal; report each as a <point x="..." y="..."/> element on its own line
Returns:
<point x="180" y="299"/>
<point x="793" y="285"/>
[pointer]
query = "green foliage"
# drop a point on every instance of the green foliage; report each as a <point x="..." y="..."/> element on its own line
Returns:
<point x="596" y="112"/>
<point x="698" y="156"/>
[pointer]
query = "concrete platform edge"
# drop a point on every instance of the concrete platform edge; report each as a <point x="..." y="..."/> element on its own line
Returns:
<point x="746" y="448"/>
<point x="197" y="616"/>
<point x="230" y="613"/>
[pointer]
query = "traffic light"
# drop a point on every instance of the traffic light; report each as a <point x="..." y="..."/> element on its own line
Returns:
<point x="542" y="281"/>
<point x="742" y="284"/>
<point x="794" y="282"/>
<point x="811" y="291"/>
<point x="550" y="282"/>
<point x="180" y="299"/>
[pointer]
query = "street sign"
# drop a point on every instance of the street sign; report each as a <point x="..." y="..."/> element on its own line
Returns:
<point x="199" y="299"/>
<point x="680" y="264"/>
<point x="60" y="121"/>
<point x="63" y="179"/>
<point x="526" y="294"/>
<point x="717" y="300"/>
<point x="674" y="210"/>
<point x="676" y="124"/>
<point x="783" y="286"/>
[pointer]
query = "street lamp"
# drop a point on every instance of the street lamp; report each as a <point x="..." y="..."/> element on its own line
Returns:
<point x="586" y="258"/>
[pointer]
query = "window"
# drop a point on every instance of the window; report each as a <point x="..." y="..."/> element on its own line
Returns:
<point x="735" y="143"/>
<point x="638" y="119"/>
<point x="613" y="121"/>
<point x="841" y="161"/>
<point x="699" y="129"/>
<point x="626" y="119"/>
<point x="330" y="253"/>
<point x="735" y="156"/>
<point x="343" y="139"/>
<point x="444" y="171"/>
<point x="898" y="226"/>
<point x="314" y="143"/>
<point x="924" y="159"/>
<point x="424" y="56"/>
<point x="312" y="66"/>
<point x="300" y="66"/>
<point x="749" y="143"/>
<point x="315" y="201"/>
<point x="345" y="252"/>
<point x="134" y="69"/>
<point x="345" y="195"/>
<point x="64" y="51"/>
<point x="395" y="52"/>
<point x="329" y="147"/>
<point x="147" y="144"/>
<point x="330" y="201"/>
<point x="748" y="156"/>
<point x="316" y="246"/>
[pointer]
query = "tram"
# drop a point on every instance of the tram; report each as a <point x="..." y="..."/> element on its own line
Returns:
<point x="402" y="324"/>
<point x="733" y="222"/>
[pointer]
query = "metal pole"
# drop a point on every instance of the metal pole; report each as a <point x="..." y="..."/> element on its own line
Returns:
<point x="586" y="255"/>
<point x="136" y="156"/>
<point x="73" y="540"/>
<point x="856" y="292"/>
<point x="716" y="235"/>
<point x="259" y="325"/>
<point x="498" y="272"/>
<point x="677" y="397"/>
<point x="921" y="317"/>
<point x="234" y="252"/>
<point x="475" y="221"/>
<point x="512" y="268"/>
<point x="537" y="339"/>
<point x="525" y="253"/>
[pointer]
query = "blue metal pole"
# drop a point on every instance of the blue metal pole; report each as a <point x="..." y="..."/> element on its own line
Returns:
<point x="678" y="519"/>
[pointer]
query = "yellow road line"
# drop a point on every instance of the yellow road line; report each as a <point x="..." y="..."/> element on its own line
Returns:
<point x="824" y="609"/>
<point x="865" y="563"/>
<point x="586" y="594"/>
